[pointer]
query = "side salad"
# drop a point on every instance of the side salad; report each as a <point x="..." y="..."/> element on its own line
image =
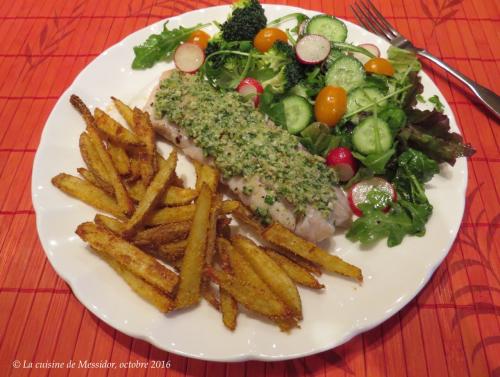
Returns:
<point x="344" y="102"/>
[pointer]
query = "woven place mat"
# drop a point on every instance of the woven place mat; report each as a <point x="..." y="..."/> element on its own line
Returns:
<point x="450" y="329"/>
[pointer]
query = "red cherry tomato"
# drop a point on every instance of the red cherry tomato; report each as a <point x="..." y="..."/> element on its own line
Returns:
<point x="200" y="38"/>
<point x="380" y="66"/>
<point x="330" y="105"/>
<point x="265" y="38"/>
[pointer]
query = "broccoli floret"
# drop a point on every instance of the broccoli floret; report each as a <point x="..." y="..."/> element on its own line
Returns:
<point x="245" y="21"/>
<point x="281" y="59"/>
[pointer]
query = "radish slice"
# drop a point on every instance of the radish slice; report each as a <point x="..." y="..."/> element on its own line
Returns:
<point x="189" y="57"/>
<point x="371" y="48"/>
<point x="359" y="192"/>
<point x="312" y="49"/>
<point x="342" y="160"/>
<point x="302" y="27"/>
<point x="249" y="86"/>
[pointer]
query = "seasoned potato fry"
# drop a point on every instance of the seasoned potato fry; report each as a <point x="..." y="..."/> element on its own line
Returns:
<point x="93" y="179"/>
<point x="129" y="257"/>
<point x="87" y="193"/>
<point x="212" y="230"/>
<point x="171" y="251"/>
<point x="243" y="271"/>
<point x="93" y="162"/>
<point x="208" y="175"/>
<point x="163" y="234"/>
<point x="114" y="225"/>
<point x="272" y="274"/>
<point x="121" y="195"/>
<point x="209" y="293"/>
<point x="228" y="305"/>
<point x="194" y="256"/>
<point x="147" y="291"/>
<point x="114" y="131"/>
<point x="248" y="295"/>
<point x="119" y="158"/>
<point x="176" y="196"/>
<point x="296" y="272"/>
<point x="125" y="111"/>
<point x="186" y="212"/>
<point x="136" y="190"/>
<point x="246" y="217"/>
<point x="135" y="169"/>
<point x="153" y="194"/>
<point x="282" y="237"/>
<point x="147" y="156"/>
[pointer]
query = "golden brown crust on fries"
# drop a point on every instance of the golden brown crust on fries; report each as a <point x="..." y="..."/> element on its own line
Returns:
<point x="129" y="257"/>
<point x="163" y="234"/>
<point x="147" y="155"/>
<point x="125" y="111"/>
<point x="114" y="131"/>
<point x="119" y="158"/>
<point x="87" y="193"/>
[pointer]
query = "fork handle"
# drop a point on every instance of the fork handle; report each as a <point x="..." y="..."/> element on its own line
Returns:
<point x="488" y="97"/>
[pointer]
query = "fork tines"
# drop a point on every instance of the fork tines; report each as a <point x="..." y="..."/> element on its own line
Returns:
<point x="372" y="20"/>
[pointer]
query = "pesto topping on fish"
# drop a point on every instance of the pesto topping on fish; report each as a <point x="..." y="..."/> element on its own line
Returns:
<point x="243" y="143"/>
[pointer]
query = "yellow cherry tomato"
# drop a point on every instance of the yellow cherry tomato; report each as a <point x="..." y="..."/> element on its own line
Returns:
<point x="200" y="38"/>
<point x="380" y="66"/>
<point x="265" y="38"/>
<point x="331" y="105"/>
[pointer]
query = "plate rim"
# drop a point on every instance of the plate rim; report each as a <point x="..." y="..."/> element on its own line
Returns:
<point x="39" y="212"/>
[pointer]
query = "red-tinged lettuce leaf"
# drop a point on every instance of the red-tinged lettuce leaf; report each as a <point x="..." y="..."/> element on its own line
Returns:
<point x="429" y="132"/>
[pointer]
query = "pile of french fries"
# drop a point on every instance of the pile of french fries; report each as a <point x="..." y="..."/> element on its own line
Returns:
<point x="174" y="245"/>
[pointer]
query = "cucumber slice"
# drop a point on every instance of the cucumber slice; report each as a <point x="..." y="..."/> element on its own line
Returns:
<point x="372" y="135"/>
<point x="329" y="27"/>
<point x="345" y="72"/>
<point x="298" y="113"/>
<point x="365" y="96"/>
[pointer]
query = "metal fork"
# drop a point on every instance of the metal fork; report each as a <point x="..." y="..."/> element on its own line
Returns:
<point x="372" y="20"/>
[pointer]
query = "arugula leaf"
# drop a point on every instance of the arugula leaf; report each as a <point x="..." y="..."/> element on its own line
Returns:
<point x="376" y="224"/>
<point x="376" y="162"/>
<point x="161" y="46"/>
<point x="318" y="140"/>
<point x="438" y="105"/>
<point x="403" y="61"/>
<point x="362" y="174"/>
<point x="429" y="132"/>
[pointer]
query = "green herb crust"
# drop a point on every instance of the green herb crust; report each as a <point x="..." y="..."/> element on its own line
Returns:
<point x="242" y="143"/>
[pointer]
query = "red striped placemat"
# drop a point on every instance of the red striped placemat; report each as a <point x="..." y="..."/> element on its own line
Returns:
<point x="452" y="328"/>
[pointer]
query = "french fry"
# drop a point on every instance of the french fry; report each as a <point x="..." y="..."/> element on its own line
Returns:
<point x="282" y="237"/>
<point x="173" y="251"/>
<point x="93" y="179"/>
<point x="121" y="195"/>
<point x="87" y="193"/>
<point x="114" y="225"/>
<point x="163" y="234"/>
<point x="147" y="291"/>
<point x="248" y="295"/>
<point x="153" y="194"/>
<point x="176" y="196"/>
<point x="212" y="230"/>
<point x="228" y="304"/>
<point x="129" y="257"/>
<point x="147" y="156"/>
<point x="243" y="270"/>
<point x="125" y="111"/>
<point x="208" y="175"/>
<point x="119" y="158"/>
<point x="94" y="163"/>
<point x="114" y="131"/>
<point x="246" y="217"/>
<point x="271" y="273"/>
<point x="194" y="256"/>
<point x="210" y="294"/>
<point x="136" y="190"/>
<point x="295" y="271"/>
<point x="135" y="169"/>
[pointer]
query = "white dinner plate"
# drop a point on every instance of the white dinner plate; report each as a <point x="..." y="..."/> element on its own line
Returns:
<point x="392" y="276"/>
